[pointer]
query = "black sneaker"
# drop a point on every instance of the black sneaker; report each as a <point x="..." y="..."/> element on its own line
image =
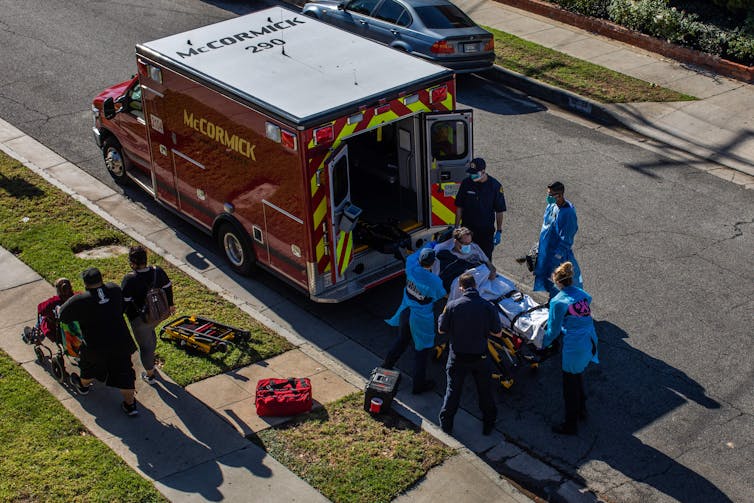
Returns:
<point x="79" y="386"/>
<point x="130" y="410"/>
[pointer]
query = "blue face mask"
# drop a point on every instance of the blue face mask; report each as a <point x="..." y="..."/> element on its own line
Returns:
<point x="466" y="248"/>
<point x="475" y="176"/>
<point x="550" y="199"/>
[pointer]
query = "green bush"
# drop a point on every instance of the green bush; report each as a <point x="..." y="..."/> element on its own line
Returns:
<point x="658" y="19"/>
<point x="594" y="8"/>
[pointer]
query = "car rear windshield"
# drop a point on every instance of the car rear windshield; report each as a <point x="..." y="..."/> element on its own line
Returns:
<point x="439" y="17"/>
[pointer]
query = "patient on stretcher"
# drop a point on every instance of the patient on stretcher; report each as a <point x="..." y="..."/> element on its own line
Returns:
<point x="458" y="254"/>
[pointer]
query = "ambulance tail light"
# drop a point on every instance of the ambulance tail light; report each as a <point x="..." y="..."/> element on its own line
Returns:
<point x="442" y="47"/>
<point x="490" y="45"/>
<point x="324" y="134"/>
<point x="438" y="94"/>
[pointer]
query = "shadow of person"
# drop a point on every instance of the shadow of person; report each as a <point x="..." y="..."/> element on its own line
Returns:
<point x="635" y="402"/>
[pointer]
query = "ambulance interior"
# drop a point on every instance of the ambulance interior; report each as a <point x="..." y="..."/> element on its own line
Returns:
<point x="386" y="184"/>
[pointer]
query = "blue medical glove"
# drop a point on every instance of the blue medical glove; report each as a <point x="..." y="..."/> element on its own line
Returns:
<point x="496" y="239"/>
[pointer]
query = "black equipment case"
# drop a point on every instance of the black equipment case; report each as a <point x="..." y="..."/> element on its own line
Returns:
<point x="383" y="383"/>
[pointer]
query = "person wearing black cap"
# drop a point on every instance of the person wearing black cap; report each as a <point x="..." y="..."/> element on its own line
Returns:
<point x="415" y="317"/>
<point x="468" y="321"/>
<point x="559" y="227"/>
<point x="108" y="345"/>
<point x="480" y="205"/>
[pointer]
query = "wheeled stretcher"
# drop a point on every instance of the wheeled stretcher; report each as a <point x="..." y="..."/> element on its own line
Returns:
<point x="524" y="323"/>
<point x="202" y="334"/>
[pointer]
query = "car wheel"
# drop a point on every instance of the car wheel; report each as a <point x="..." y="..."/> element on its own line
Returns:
<point x="114" y="160"/>
<point x="237" y="249"/>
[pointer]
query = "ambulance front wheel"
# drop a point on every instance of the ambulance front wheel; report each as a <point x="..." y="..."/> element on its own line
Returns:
<point x="238" y="251"/>
<point x="114" y="160"/>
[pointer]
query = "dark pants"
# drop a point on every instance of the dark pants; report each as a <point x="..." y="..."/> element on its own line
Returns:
<point x="399" y="346"/>
<point x="458" y="367"/>
<point x="575" y="400"/>
<point x="483" y="237"/>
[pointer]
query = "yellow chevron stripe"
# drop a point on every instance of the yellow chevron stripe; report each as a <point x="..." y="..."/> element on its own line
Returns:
<point x="320" y="212"/>
<point x="448" y="101"/>
<point x="320" y="248"/>
<point x="442" y="211"/>
<point x="382" y="118"/>
<point x="313" y="183"/>
<point x="417" y="106"/>
<point x="344" y="240"/>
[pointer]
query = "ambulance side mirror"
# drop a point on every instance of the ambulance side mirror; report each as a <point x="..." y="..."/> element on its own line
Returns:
<point x="108" y="108"/>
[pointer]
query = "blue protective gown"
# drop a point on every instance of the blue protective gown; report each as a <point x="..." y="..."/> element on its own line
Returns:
<point x="559" y="228"/>
<point x="571" y="315"/>
<point x="420" y="284"/>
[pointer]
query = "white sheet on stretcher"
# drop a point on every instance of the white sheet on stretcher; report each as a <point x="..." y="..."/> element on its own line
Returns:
<point x="530" y="327"/>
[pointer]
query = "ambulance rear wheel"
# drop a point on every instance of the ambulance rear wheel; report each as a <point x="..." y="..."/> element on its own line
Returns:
<point x="238" y="251"/>
<point x="114" y="160"/>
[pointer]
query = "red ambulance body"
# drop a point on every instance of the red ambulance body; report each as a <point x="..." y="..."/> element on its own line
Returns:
<point x="303" y="149"/>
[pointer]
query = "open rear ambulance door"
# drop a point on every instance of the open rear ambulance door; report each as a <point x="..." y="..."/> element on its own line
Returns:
<point x="449" y="147"/>
<point x="338" y="184"/>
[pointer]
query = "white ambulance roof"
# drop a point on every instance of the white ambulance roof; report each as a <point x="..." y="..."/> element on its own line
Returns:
<point x="297" y="66"/>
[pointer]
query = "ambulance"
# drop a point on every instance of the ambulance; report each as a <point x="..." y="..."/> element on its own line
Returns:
<point x="305" y="150"/>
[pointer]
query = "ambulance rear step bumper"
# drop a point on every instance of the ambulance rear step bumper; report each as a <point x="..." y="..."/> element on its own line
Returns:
<point x="359" y="285"/>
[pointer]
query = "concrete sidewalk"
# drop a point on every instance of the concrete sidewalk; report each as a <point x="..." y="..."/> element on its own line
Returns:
<point x="191" y="442"/>
<point x="719" y="127"/>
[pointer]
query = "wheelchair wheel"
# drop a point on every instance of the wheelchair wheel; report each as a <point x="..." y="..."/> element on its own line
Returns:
<point x="40" y="354"/>
<point x="58" y="369"/>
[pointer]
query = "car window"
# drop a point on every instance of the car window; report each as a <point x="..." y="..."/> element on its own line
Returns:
<point x="362" y="6"/>
<point x="393" y="12"/>
<point x="134" y="101"/>
<point x="443" y="17"/>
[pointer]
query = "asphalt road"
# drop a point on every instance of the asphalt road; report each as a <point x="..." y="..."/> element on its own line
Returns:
<point x="666" y="250"/>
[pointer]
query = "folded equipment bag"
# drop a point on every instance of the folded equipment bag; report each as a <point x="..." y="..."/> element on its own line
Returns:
<point x="283" y="397"/>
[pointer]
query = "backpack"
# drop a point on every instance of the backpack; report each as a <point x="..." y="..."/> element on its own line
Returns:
<point x="156" y="307"/>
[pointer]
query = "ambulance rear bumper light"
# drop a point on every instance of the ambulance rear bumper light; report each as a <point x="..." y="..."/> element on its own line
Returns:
<point x="382" y="109"/>
<point x="272" y="131"/>
<point x="324" y="134"/>
<point x="356" y="118"/>
<point x="438" y="94"/>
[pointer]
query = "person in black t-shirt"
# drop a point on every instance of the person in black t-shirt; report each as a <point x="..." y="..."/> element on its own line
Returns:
<point x="108" y="345"/>
<point x="135" y="285"/>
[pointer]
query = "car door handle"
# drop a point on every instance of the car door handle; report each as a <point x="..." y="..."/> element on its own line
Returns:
<point x="394" y="32"/>
<point x="362" y="21"/>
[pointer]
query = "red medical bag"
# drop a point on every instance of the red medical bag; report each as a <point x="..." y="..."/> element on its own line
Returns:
<point x="283" y="397"/>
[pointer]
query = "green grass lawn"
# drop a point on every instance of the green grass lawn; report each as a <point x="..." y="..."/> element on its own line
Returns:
<point x="47" y="455"/>
<point x="575" y="75"/>
<point x="46" y="228"/>
<point x="352" y="456"/>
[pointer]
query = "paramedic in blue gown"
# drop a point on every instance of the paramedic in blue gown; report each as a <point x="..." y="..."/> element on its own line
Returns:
<point x="480" y="204"/>
<point x="559" y="228"/>
<point x="468" y="321"/>
<point x="415" y="317"/>
<point x="571" y="316"/>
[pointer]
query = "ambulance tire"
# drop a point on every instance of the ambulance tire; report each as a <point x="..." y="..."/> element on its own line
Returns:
<point x="237" y="248"/>
<point x="115" y="162"/>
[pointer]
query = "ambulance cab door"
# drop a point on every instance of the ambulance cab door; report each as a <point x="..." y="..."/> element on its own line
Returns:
<point x="340" y="239"/>
<point x="449" y="147"/>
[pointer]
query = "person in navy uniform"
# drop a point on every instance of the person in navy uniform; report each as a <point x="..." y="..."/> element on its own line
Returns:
<point x="468" y="321"/>
<point x="480" y="205"/>
<point x="415" y="318"/>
